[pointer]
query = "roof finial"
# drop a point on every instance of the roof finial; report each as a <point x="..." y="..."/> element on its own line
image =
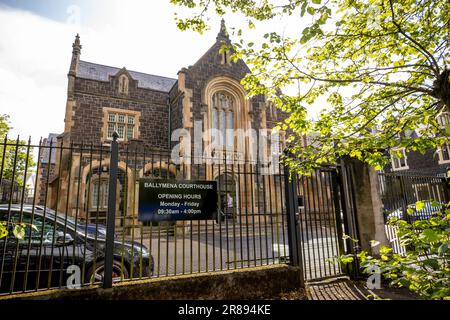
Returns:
<point x="223" y="28"/>
<point x="77" y="45"/>
<point x="76" y="53"/>
<point x="223" y="33"/>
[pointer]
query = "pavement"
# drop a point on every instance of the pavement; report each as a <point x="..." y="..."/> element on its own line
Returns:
<point x="342" y="288"/>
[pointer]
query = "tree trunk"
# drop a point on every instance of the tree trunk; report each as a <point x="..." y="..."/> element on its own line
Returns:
<point x="441" y="88"/>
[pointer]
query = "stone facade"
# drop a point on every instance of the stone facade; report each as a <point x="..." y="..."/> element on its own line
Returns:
<point x="149" y="109"/>
<point x="46" y="169"/>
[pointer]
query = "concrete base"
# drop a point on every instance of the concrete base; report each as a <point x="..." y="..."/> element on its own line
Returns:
<point x="266" y="282"/>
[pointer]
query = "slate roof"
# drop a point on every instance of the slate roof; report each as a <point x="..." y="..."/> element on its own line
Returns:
<point x="46" y="151"/>
<point x="93" y="71"/>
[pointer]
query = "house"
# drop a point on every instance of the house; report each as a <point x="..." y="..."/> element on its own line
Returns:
<point x="433" y="163"/>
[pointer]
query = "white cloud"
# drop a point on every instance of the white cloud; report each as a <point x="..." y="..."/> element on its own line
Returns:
<point x="35" y="52"/>
<point x="34" y="59"/>
<point x="35" y="55"/>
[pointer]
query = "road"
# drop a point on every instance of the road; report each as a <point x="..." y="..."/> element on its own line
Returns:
<point x="234" y="245"/>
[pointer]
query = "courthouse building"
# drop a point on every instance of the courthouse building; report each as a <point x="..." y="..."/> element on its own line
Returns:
<point x="145" y="109"/>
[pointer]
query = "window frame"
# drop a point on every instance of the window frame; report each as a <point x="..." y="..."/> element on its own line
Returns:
<point x="130" y="119"/>
<point x="93" y="206"/>
<point x="394" y="158"/>
<point x="443" y="119"/>
<point x="441" y="155"/>
<point x="223" y="116"/>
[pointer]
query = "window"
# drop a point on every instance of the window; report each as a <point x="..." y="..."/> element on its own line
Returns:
<point x="122" y="123"/>
<point x="399" y="159"/>
<point x="223" y="118"/>
<point x="444" y="154"/>
<point x="444" y="151"/>
<point x="443" y="119"/>
<point x="225" y="57"/>
<point x="99" y="195"/>
<point x="277" y="146"/>
<point x="123" y="84"/>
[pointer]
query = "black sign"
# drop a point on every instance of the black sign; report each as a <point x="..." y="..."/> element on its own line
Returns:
<point x="168" y="200"/>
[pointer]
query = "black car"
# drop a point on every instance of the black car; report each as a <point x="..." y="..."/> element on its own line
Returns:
<point x="429" y="209"/>
<point x="42" y="257"/>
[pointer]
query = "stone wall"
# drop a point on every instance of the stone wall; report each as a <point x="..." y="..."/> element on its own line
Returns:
<point x="255" y="283"/>
<point x="425" y="164"/>
<point x="89" y="120"/>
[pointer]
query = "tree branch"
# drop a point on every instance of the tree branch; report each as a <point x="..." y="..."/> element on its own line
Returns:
<point x="424" y="51"/>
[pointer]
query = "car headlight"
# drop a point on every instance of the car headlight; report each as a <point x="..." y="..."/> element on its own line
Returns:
<point x="144" y="252"/>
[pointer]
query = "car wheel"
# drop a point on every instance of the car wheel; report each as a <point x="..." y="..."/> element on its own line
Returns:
<point x="97" y="274"/>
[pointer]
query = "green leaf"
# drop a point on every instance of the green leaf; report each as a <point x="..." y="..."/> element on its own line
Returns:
<point x="384" y="249"/>
<point x="3" y="231"/>
<point x="435" y="204"/>
<point x="19" y="232"/>
<point x="420" y="205"/>
<point x="346" y="259"/>
<point x="432" y="263"/>
<point x="429" y="235"/>
<point x="444" y="249"/>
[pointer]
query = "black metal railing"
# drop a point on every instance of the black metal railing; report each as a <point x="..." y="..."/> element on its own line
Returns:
<point x="80" y="223"/>
<point x="401" y="191"/>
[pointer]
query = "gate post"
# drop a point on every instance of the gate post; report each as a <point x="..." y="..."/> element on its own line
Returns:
<point x="111" y="215"/>
<point x="295" y="252"/>
<point x="336" y="181"/>
<point x="365" y="216"/>
<point x="446" y="184"/>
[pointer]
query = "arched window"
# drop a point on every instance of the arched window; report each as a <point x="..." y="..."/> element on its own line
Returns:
<point x="223" y="117"/>
<point x="123" y="84"/>
<point x="100" y="195"/>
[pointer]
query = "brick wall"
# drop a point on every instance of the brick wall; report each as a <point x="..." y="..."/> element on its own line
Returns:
<point x="92" y="96"/>
<point x="425" y="164"/>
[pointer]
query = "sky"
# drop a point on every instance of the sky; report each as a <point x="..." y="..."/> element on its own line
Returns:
<point x="36" y="39"/>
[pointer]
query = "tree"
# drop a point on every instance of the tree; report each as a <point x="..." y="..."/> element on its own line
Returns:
<point x="14" y="158"/>
<point x="381" y="69"/>
<point x="14" y="161"/>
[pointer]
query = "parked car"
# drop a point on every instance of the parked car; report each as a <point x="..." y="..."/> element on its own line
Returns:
<point x="423" y="214"/>
<point x="42" y="257"/>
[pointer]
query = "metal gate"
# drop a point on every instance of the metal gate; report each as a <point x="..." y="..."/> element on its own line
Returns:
<point x="320" y="213"/>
